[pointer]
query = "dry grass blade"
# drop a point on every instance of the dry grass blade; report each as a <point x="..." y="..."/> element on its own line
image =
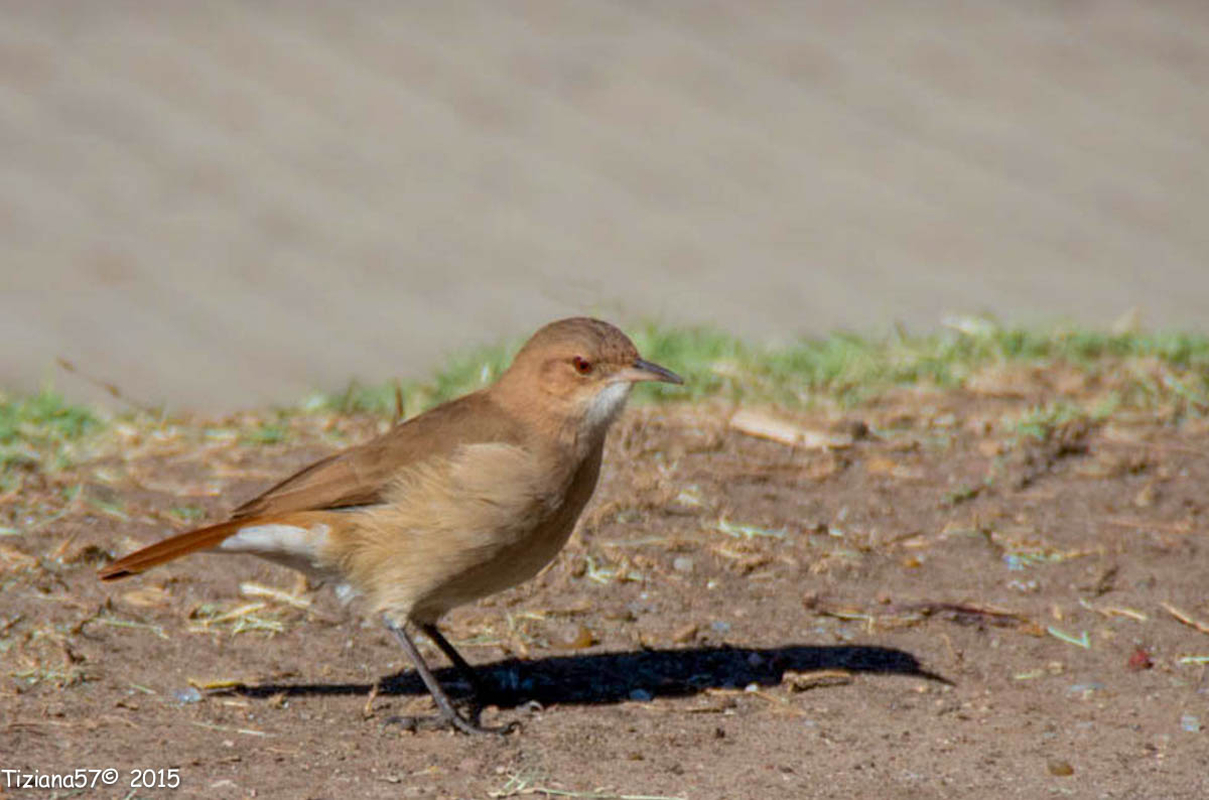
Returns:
<point x="1082" y="640"/>
<point x="965" y="614"/>
<point x="766" y="426"/>
<point x="125" y="623"/>
<point x="225" y="729"/>
<point x="244" y="619"/>
<point x="235" y="613"/>
<point x="518" y="785"/>
<point x="250" y="589"/>
<point x="1183" y="617"/>
<point x="908" y="614"/>
<point x="214" y="683"/>
<point x="1115" y="611"/>
<point x="802" y="681"/>
<point x="1128" y="522"/>
<point x="109" y="388"/>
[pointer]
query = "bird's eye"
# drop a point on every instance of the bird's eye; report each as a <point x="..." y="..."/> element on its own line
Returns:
<point x="582" y="365"/>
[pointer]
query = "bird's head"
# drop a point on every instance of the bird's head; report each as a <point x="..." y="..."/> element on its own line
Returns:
<point x="582" y="367"/>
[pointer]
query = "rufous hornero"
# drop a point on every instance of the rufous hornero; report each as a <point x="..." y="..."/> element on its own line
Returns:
<point x="467" y="499"/>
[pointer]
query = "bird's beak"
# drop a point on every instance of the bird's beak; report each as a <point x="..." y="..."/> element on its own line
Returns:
<point x="646" y="371"/>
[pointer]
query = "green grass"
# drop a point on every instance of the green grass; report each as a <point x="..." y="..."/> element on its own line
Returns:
<point x="463" y="373"/>
<point x="38" y="429"/>
<point x="266" y="432"/>
<point x="1131" y="370"/>
<point x="188" y="513"/>
<point x="1041" y="422"/>
<point x="847" y="368"/>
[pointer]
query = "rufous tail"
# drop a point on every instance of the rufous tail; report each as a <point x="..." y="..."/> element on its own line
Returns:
<point x="171" y="548"/>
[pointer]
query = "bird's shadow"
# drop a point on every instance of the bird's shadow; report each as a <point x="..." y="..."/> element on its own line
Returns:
<point x="613" y="677"/>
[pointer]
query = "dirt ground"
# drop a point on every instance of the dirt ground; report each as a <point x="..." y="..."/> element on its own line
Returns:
<point x="947" y="603"/>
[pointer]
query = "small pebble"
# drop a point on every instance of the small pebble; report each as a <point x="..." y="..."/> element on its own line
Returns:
<point x="1140" y="660"/>
<point x="578" y="639"/>
<point x="1084" y="689"/>
<point x="1060" y="768"/>
<point x="189" y="695"/>
<point x="685" y="633"/>
<point x="683" y="564"/>
<point x="856" y="428"/>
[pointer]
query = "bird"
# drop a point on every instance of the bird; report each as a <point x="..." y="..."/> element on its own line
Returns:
<point x="467" y="499"/>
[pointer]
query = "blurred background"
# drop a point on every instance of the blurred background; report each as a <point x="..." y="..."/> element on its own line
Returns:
<point x="216" y="204"/>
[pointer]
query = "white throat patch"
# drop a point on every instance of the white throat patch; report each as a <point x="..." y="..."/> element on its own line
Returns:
<point x="606" y="404"/>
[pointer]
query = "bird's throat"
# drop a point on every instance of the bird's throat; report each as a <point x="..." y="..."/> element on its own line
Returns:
<point x="603" y="408"/>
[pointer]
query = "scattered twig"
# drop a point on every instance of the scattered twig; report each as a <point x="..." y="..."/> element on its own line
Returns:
<point x="1081" y="641"/>
<point x="125" y="623"/>
<point x="747" y="531"/>
<point x="367" y="710"/>
<point x="906" y="614"/>
<point x="258" y="590"/>
<point x="1114" y="611"/>
<point x="802" y="681"/>
<point x="235" y="613"/>
<point x="1185" y="618"/>
<point x="215" y="684"/>
<point x="1128" y="522"/>
<point x="117" y="719"/>
<point x="964" y="613"/>
<point x="225" y="729"/>
<point x="37" y="723"/>
<point x="399" y="412"/>
<point x="4" y="626"/>
<point x="518" y="785"/>
<point x="111" y="389"/>
<point x="765" y="426"/>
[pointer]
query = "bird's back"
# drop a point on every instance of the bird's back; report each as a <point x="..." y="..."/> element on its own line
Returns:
<point x="362" y="475"/>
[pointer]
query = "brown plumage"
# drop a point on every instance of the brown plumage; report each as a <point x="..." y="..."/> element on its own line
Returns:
<point x="464" y="500"/>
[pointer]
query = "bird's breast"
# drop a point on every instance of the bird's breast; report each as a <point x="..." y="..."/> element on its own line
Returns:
<point x="459" y="529"/>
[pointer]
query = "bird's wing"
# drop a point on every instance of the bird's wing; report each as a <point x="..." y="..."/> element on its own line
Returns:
<point x="358" y="476"/>
<point x="353" y="477"/>
<point x="361" y="475"/>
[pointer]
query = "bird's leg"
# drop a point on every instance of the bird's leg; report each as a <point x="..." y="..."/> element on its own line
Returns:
<point x="444" y="704"/>
<point x="468" y="673"/>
